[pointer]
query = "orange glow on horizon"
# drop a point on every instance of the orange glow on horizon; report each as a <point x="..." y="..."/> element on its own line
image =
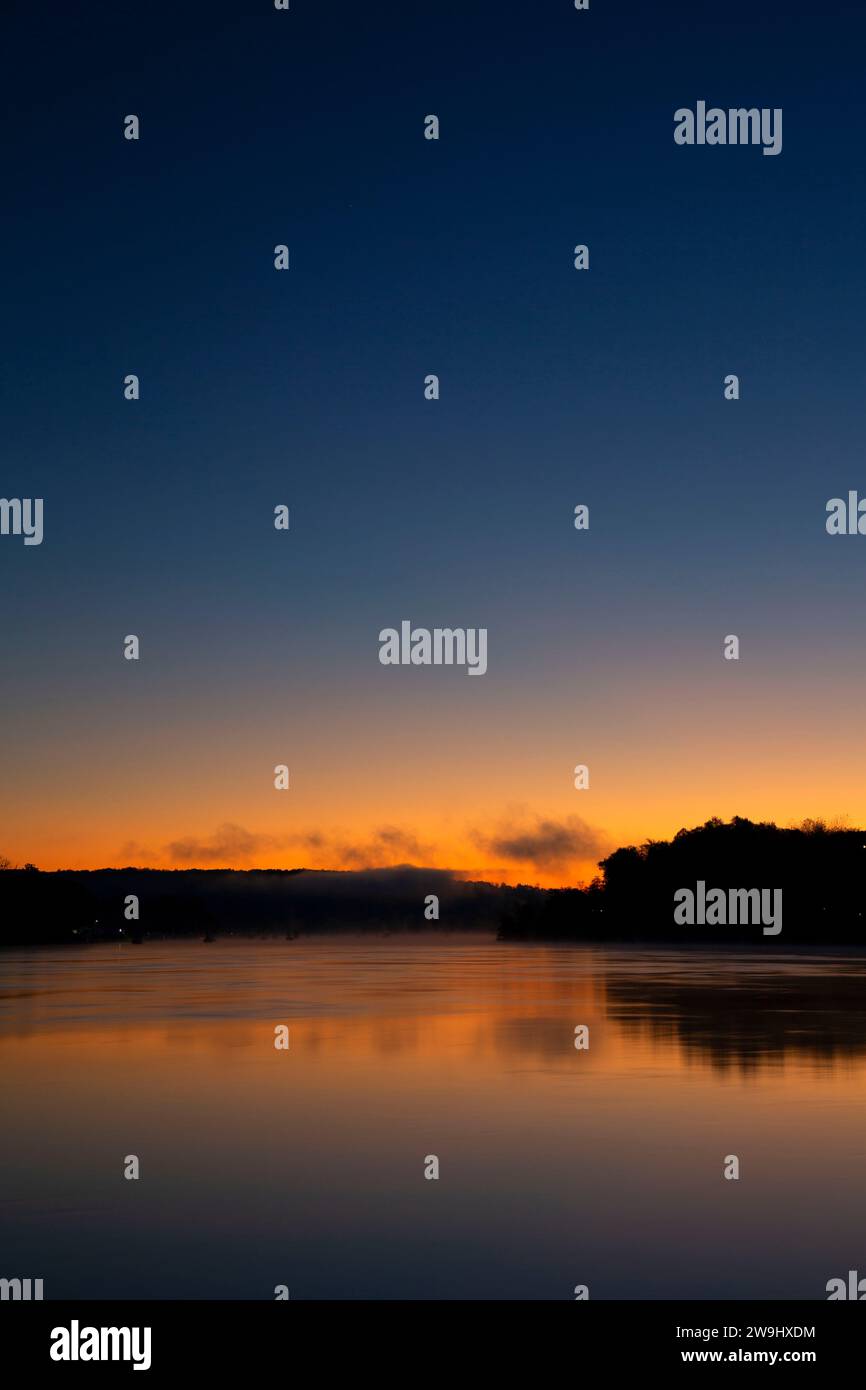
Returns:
<point x="439" y="784"/>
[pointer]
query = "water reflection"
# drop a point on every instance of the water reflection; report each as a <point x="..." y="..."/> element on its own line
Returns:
<point x="744" y="1011"/>
<point x="305" y="1167"/>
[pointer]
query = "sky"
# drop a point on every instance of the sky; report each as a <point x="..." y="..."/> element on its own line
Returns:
<point x="306" y="388"/>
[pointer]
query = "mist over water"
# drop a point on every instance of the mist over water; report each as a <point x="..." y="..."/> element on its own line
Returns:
<point x="305" y="1167"/>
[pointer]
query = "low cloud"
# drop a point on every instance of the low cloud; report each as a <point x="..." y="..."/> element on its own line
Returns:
<point x="232" y="844"/>
<point x="549" y="846"/>
<point x="389" y="845"/>
<point x="227" y="844"/>
<point x="131" y="852"/>
<point x="546" y="844"/>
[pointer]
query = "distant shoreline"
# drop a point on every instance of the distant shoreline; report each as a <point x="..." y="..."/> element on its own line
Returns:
<point x="714" y="884"/>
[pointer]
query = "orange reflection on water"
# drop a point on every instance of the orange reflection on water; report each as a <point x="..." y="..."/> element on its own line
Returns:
<point x="431" y="1045"/>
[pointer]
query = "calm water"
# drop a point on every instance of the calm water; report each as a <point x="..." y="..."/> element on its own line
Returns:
<point x="557" y="1167"/>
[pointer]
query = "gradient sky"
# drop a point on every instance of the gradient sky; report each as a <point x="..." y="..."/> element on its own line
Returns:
<point x="306" y="388"/>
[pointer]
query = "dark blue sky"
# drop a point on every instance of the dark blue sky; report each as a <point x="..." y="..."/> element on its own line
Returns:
<point x="410" y="257"/>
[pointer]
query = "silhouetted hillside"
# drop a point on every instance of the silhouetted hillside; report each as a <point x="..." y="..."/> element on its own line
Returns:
<point x="90" y="905"/>
<point x="821" y="872"/>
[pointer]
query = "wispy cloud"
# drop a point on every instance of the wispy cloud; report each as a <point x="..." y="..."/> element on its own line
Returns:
<point x="546" y="844"/>
<point x="228" y="844"/>
<point x="388" y="845"/>
<point x="231" y="843"/>
<point x="131" y="852"/>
